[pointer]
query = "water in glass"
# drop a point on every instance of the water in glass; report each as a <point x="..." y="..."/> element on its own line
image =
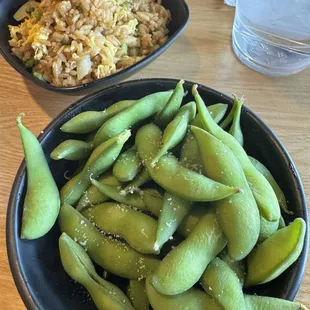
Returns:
<point x="273" y="36"/>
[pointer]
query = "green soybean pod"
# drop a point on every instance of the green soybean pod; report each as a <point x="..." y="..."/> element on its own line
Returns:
<point x="136" y="228"/>
<point x="153" y="200"/>
<point x="254" y="302"/>
<point x="165" y="115"/>
<point x="142" y="178"/>
<point x="172" y="176"/>
<point x="235" y="129"/>
<point x="92" y="196"/>
<point x="217" y="112"/>
<point x="237" y="266"/>
<point x="101" y="159"/>
<point x="193" y="299"/>
<point x="278" y="191"/>
<point x="185" y="264"/>
<point x="228" y="119"/>
<point x="263" y="193"/>
<point x="281" y="223"/>
<point x="114" y="256"/>
<point x="80" y="268"/>
<point x="267" y="229"/>
<point x="238" y="215"/>
<point x="115" y="193"/>
<point x="72" y="150"/>
<point x="276" y="254"/>
<point x="42" y="202"/>
<point x="139" y="111"/>
<point x="136" y="292"/>
<point x="127" y="165"/>
<point x="222" y="284"/>
<point x="89" y="121"/>
<point x="176" y="129"/>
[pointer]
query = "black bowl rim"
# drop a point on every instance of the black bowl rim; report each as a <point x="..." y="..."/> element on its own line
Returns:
<point x="12" y="252"/>
<point x="111" y="78"/>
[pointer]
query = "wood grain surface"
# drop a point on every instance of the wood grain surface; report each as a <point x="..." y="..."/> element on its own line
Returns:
<point x="202" y="54"/>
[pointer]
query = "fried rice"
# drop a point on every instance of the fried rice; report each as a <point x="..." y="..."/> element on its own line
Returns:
<point x="68" y="43"/>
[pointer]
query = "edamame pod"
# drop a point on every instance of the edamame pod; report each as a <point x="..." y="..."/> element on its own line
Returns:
<point x="172" y="176"/>
<point x="254" y="302"/>
<point x="238" y="215"/>
<point x="174" y="209"/>
<point x="72" y="150"/>
<point x="165" y="115"/>
<point x="137" y="294"/>
<point x="92" y="196"/>
<point x="235" y="129"/>
<point x="267" y="229"/>
<point x="192" y="299"/>
<point x="127" y="165"/>
<point x="237" y="266"/>
<point x="176" y="129"/>
<point x="281" y="223"/>
<point x="222" y="284"/>
<point x="153" y="200"/>
<point x="136" y="228"/>
<point x="114" y="256"/>
<point x="228" y="119"/>
<point x="185" y="264"/>
<point x="142" y="178"/>
<point x="217" y="111"/>
<point x="276" y="254"/>
<point x="88" y="121"/>
<point x="263" y="193"/>
<point x="80" y="268"/>
<point x="42" y="202"/>
<point x="139" y="111"/>
<point x="114" y="193"/>
<point x="100" y="161"/>
<point x="278" y="191"/>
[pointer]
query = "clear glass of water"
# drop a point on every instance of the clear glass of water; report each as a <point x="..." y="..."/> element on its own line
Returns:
<point x="273" y="36"/>
<point x="230" y="2"/>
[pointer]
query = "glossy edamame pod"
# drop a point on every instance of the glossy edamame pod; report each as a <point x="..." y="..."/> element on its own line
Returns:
<point x="139" y="111"/>
<point x="276" y="253"/>
<point x="238" y="215"/>
<point x="80" y="268"/>
<point x="165" y="115"/>
<point x="278" y="191"/>
<point x="127" y="165"/>
<point x="254" y="302"/>
<point x="228" y="119"/>
<point x="171" y="175"/>
<point x="237" y="266"/>
<point x="217" y="112"/>
<point x="191" y="219"/>
<point x="112" y="255"/>
<point x="263" y="193"/>
<point x="136" y="292"/>
<point x="99" y="161"/>
<point x="72" y="150"/>
<point x="136" y="228"/>
<point x="89" y="121"/>
<point x="192" y="299"/>
<point x="185" y="264"/>
<point x="235" y="129"/>
<point x="92" y="196"/>
<point x="134" y="200"/>
<point x="174" y="209"/>
<point x="142" y="178"/>
<point x="222" y="284"/>
<point x="176" y="129"/>
<point x="267" y="229"/>
<point x="42" y="202"/>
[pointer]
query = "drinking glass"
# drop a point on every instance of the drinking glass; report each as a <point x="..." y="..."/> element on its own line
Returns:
<point x="273" y="36"/>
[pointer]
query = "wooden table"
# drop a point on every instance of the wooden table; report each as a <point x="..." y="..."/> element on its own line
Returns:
<point x="202" y="54"/>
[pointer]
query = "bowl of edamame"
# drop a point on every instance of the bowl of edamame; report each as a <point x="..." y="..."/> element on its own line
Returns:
<point x="157" y="194"/>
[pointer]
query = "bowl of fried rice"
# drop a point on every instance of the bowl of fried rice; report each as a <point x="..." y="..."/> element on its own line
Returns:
<point x="79" y="46"/>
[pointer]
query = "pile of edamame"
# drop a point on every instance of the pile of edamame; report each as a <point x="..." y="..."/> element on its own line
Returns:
<point x="166" y="197"/>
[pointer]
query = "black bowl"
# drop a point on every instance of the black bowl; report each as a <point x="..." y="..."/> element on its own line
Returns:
<point x="180" y="17"/>
<point x="35" y="265"/>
